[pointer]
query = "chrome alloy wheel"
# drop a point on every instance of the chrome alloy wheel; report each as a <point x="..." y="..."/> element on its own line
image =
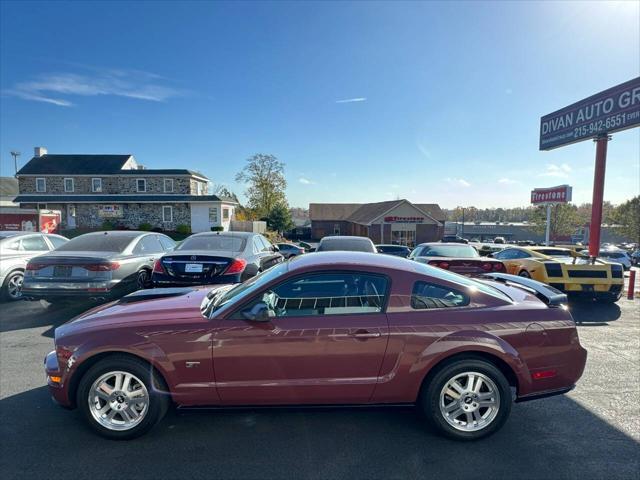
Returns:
<point x="118" y="400"/>
<point x="14" y="286"/>
<point x="469" y="401"/>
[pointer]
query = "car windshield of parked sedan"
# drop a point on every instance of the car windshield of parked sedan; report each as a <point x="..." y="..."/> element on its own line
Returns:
<point x="96" y="243"/>
<point x="243" y="290"/>
<point x="346" y="244"/>
<point x="457" y="251"/>
<point x="461" y="280"/>
<point x="214" y="242"/>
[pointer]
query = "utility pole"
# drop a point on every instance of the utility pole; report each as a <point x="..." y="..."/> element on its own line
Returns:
<point x="15" y="154"/>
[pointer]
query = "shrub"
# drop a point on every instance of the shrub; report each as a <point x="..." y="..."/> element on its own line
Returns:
<point x="108" y="225"/>
<point x="218" y="228"/>
<point x="144" y="226"/>
<point x="183" y="229"/>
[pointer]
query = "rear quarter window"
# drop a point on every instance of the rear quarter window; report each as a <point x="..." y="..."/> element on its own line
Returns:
<point x="426" y="295"/>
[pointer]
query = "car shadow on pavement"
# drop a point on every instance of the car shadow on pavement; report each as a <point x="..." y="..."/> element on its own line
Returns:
<point x="24" y="314"/>
<point x="588" y="313"/>
<point x="551" y="438"/>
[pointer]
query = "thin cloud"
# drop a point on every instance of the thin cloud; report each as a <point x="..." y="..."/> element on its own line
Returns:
<point x="121" y="83"/>
<point x="352" y="100"/>
<point x="507" y="181"/>
<point x="305" y="181"/>
<point x="559" y="171"/>
<point x="460" y="182"/>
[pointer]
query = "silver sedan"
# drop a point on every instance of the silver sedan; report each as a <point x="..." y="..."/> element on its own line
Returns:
<point x="16" y="249"/>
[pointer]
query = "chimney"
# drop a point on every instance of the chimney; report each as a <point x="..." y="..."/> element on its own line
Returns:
<point x="40" y="151"/>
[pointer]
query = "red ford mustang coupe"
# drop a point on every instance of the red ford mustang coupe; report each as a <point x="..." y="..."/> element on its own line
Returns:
<point x="335" y="328"/>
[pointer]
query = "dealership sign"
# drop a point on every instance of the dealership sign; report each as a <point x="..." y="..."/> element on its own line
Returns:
<point x="612" y="110"/>
<point x="404" y="219"/>
<point x="559" y="194"/>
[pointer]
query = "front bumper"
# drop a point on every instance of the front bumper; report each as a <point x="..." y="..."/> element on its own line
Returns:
<point x="57" y="380"/>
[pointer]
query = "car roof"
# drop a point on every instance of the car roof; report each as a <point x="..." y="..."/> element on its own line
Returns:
<point x="349" y="259"/>
<point x="390" y="245"/>
<point x="14" y="233"/>
<point x="345" y="237"/>
<point x="119" y="233"/>
<point x="446" y="244"/>
<point x="226" y="234"/>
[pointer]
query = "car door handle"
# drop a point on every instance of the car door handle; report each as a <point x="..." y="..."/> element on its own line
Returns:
<point x="364" y="334"/>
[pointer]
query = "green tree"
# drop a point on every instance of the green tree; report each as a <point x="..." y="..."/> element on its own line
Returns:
<point x="564" y="219"/>
<point x="279" y="219"/>
<point x="627" y="216"/>
<point x="266" y="184"/>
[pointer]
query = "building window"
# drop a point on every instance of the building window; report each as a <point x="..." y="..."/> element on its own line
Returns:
<point x="41" y="184"/>
<point x="141" y="185"/>
<point x="213" y="215"/>
<point x="42" y="206"/>
<point x="167" y="213"/>
<point x="96" y="185"/>
<point x="336" y="229"/>
<point x="225" y="214"/>
<point x="168" y="185"/>
<point x="68" y="185"/>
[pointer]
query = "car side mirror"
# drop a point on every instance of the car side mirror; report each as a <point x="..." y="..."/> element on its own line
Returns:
<point x="260" y="312"/>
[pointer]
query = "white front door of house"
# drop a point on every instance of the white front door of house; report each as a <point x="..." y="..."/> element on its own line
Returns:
<point x="71" y="216"/>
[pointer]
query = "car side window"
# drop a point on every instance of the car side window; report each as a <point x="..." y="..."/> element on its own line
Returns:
<point x="148" y="244"/>
<point x="521" y="254"/>
<point x="257" y="245"/>
<point x="427" y="295"/>
<point x="34" y="243"/>
<point x="167" y="244"/>
<point x="15" y="245"/>
<point x="325" y="294"/>
<point x="56" y="241"/>
<point x="507" y="254"/>
<point x="266" y="244"/>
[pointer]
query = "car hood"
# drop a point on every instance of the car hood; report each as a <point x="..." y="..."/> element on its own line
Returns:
<point x="208" y="253"/>
<point x="145" y="307"/>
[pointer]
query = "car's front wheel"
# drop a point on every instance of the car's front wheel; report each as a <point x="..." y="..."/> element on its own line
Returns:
<point x="467" y="399"/>
<point x="122" y="397"/>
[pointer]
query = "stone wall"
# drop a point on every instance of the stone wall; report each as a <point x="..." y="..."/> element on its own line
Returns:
<point x="133" y="214"/>
<point x="110" y="184"/>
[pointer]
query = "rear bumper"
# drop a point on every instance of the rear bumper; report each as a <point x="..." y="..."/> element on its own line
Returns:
<point x="159" y="280"/>
<point x="45" y="294"/>
<point x="545" y="394"/>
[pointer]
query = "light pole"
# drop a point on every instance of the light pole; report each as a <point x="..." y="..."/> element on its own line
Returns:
<point x="15" y="154"/>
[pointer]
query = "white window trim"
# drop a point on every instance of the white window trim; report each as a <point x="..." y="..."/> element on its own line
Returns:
<point x="44" y="181"/>
<point x="92" y="186"/>
<point x="164" y="218"/>
<point x="165" y="185"/>
<point x="226" y="211"/>
<point x="138" y="187"/>
<point x="216" y="220"/>
<point x="73" y="185"/>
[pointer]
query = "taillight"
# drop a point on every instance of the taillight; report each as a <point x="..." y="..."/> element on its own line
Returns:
<point x="158" y="268"/>
<point x="487" y="267"/>
<point x="444" y="265"/>
<point x="498" y="267"/>
<point x="35" y="266"/>
<point x="236" y="266"/>
<point x="102" y="267"/>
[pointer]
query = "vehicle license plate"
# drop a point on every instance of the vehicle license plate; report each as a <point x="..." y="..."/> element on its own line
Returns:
<point x="193" y="268"/>
<point x="62" y="271"/>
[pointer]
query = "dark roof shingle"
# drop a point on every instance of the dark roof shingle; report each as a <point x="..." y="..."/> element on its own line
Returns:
<point x="142" y="198"/>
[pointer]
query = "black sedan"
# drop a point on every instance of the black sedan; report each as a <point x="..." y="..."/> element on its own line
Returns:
<point x="215" y="257"/>
<point x="395" y="250"/>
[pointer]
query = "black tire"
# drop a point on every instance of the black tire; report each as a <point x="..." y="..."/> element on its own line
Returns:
<point x="429" y="400"/>
<point x="524" y="274"/>
<point x="143" y="279"/>
<point x="157" y="394"/>
<point x="7" y="293"/>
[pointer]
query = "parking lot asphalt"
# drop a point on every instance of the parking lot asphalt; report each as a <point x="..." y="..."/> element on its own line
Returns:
<point x="593" y="432"/>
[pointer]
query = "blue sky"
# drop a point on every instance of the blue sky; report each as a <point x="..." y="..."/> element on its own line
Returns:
<point x="434" y="102"/>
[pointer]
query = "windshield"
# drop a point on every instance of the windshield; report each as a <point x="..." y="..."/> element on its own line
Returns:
<point x="96" y="243"/>
<point x="346" y="244"/>
<point x="554" y="252"/>
<point x="214" y="242"/>
<point x="458" y="251"/>
<point x="243" y="290"/>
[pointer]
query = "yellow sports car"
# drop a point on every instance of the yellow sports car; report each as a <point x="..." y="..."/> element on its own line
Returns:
<point x="565" y="270"/>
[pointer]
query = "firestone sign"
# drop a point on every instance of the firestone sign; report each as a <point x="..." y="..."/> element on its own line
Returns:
<point x="612" y="110"/>
<point x="404" y="219"/>
<point x="559" y="194"/>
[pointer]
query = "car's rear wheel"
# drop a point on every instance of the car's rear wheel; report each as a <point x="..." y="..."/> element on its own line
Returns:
<point x="12" y="286"/>
<point x="143" y="280"/>
<point x="467" y="399"/>
<point x="122" y="397"/>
